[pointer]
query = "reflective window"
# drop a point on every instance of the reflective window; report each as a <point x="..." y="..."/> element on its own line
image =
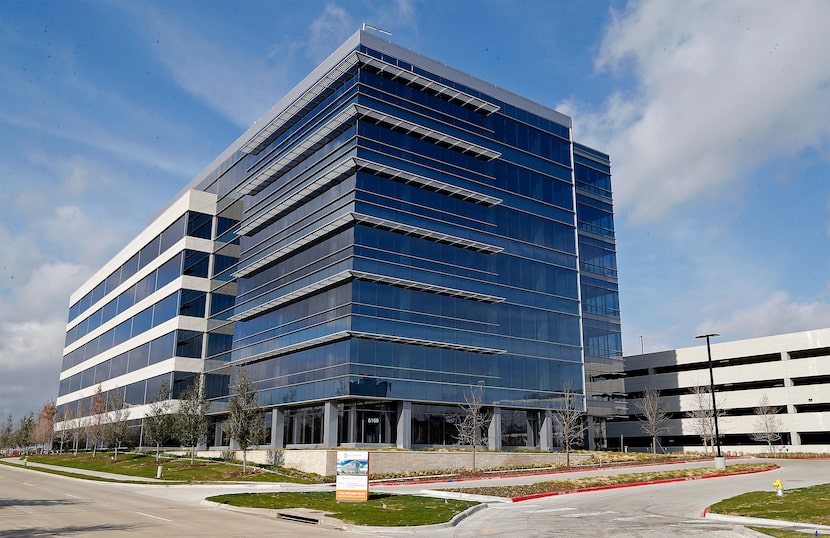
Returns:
<point x="172" y="234"/>
<point x="188" y="344"/>
<point x="196" y="263"/>
<point x="118" y="365"/>
<point x="138" y="357"/>
<point x="199" y="224"/>
<point x="134" y="394"/>
<point x="192" y="303"/>
<point x="162" y="348"/>
<point x="149" y="253"/>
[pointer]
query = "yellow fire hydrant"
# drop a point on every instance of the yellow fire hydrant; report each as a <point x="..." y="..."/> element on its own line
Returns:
<point x="779" y="486"/>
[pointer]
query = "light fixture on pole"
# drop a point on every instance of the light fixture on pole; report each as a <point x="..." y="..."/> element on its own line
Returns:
<point x="712" y="390"/>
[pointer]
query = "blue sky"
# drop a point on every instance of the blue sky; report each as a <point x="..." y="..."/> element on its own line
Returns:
<point x="716" y="115"/>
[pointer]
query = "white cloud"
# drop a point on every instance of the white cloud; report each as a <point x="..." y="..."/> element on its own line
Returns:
<point x="226" y="77"/>
<point x="329" y="30"/>
<point x="718" y="89"/>
<point x="778" y="314"/>
<point x="45" y="295"/>
<point x="30" y="356"/>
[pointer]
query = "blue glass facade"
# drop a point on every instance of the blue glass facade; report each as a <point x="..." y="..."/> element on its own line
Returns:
<point x="397" y="233"/>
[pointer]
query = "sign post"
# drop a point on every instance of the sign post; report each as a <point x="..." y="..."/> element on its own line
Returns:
<point x="352" y="476"/>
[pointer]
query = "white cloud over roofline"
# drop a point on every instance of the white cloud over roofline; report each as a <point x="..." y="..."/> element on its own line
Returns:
<point x="717" y="89"/>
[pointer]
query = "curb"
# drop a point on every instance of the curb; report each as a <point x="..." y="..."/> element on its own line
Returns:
<point x="635" y="484"/>
<point x="762" y="522"/>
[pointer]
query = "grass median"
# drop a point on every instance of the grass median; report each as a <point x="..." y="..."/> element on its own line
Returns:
<point x="554" y="486"/>
<point x="381" y="510"/>
<point x="174" y="469"/>
<point x="802" y="505"/>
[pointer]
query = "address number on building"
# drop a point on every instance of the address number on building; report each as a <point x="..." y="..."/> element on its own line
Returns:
<point x="373" y="420"/>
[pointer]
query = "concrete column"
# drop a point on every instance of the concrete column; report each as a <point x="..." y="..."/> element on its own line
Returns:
<point x="296" y="430"/>
<point x="352" y="410"/>
<point x="531" y="433"/>
<point x="217" y="434"/>
<point x="329" y="424"/>
<point x="404" y="426"/>
<point x="494" y="431"/>
<point x="590" y="432"/>
<point x="277" y="428"/>
<point x="795" y="439"/>
<point x="546" y="432"/>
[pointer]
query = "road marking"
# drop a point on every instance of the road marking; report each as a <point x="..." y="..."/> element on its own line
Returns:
<point x="70" y="495"/>
<point x="589" y="514"/>
<point x="543" y="510"/>
<point x="28" y="484"/>
<point x="154" y="517"/>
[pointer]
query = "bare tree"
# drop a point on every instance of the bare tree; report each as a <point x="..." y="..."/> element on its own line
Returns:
<point x="245" y="416"/>
<point x="117" y="425"/>
<point x="65" y="431"/>
<point x="159" y="424"/>
<point x="768" y="425"/>
<point x="472" y="420"/>
<point x="703" y="419"/>
<point x="569" y="420"/>
<point x="95" y="422"/>
<point x="78" y="427"/>
<point x="652" y="417"/>
<point x="191" y="420"/>
<point x="45" y="427"/>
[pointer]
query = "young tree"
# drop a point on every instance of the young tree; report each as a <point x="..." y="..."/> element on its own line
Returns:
<point x="191" y="420"/>
<point x="245" y="416"/>
<point x="767" y="424"/>
<point x="117" y="425"/>
<point x="472" y="420"/>
<point x="96" y="420"/>
<point x="569" y="420"/>
<point x="652" y="417"/>
<point x="7" y="434"/>
<point x="65" y="432"/>
<point x="25" y="434"/>
<point x="159" y="424"/>
<point x="45" y="427"/>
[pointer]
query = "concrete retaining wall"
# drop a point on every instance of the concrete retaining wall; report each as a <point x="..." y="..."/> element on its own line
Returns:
<point x="324" y="462"/>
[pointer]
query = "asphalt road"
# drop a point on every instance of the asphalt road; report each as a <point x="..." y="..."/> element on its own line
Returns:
<point x="648" y="511"/>
<point x="38" y="504"/>
<point x="33" y="503"/>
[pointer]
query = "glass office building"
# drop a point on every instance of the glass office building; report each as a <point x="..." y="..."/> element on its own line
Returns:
<point x="391" y="236"/>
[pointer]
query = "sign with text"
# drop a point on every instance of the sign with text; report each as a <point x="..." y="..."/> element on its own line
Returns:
<point x="352" y="476"/>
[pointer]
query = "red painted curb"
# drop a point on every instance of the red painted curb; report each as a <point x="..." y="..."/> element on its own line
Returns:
<point x="633" y="484"/>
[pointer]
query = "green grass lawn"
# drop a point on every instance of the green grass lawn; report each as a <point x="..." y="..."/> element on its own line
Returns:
<point x="590" y="482"/>
<point x="780" y="533"/>
<point x="145" y="466"/>
<point x="805" y="505"/>
<point x="380" y="510"/>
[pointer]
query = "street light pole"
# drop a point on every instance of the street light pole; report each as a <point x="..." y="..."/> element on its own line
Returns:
<point x="712" y="390"/>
